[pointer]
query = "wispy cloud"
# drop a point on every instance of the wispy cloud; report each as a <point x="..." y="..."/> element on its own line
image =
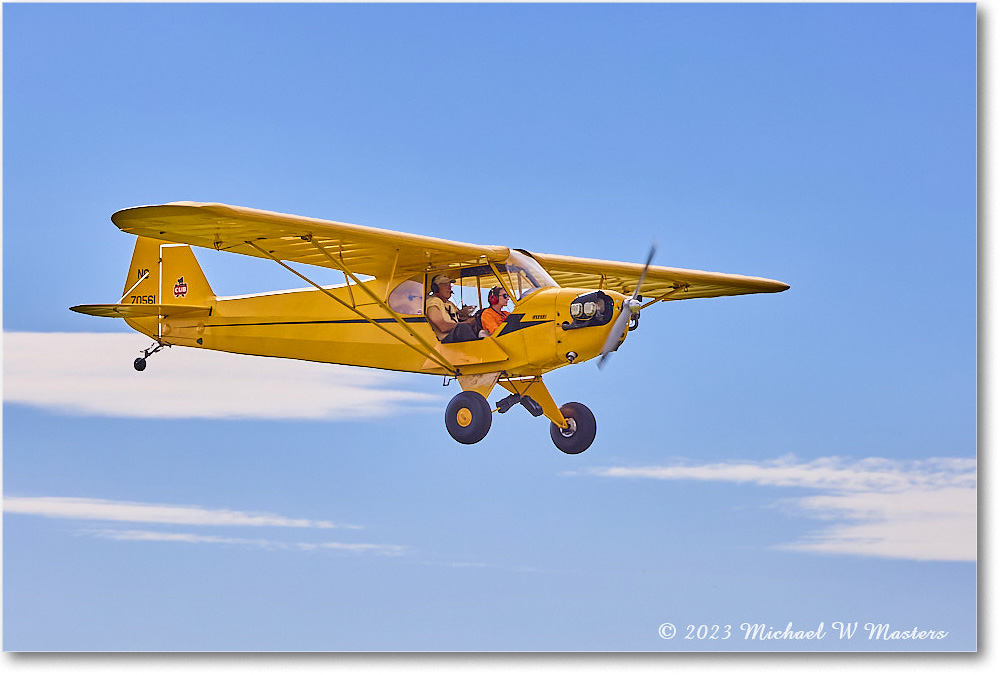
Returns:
<point x="92" y="374"/>
<point x="271" y="544"/>
<point x="918" y="509"/>
<point x="77" y="508"/>
<point x="171" y="515"/>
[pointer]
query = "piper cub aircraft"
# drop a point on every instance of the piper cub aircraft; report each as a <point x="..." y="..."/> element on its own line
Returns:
<point x="565" y="310"/>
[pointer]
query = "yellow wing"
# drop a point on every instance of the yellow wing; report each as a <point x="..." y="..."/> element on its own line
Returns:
<point x="659" y="283"/>
<point x="363" y="250"/>
<point x="384" y="253"/>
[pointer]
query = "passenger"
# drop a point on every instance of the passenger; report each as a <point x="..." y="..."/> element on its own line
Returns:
<point x="495" y="314"/>
<point x="448" y="322"/>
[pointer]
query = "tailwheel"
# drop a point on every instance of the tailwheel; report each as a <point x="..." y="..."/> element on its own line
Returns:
<point x="140" y="363"/>
<point x="581" y="431"/>
<point x="468" y="417"/>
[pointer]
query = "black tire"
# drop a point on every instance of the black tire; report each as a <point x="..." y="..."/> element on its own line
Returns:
<point x="582" y="431"/>
<point x="468" y="417"/>
<point x="139" y="364"/>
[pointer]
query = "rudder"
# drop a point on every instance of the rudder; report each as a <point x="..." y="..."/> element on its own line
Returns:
<point x="162" y="273"/>
<point x="182" y="281"/>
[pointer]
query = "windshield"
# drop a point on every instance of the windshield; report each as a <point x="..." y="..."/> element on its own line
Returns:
<point x="525" y="275"/>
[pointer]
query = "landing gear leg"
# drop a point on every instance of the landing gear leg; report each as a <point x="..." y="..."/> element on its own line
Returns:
<point x="573" y="426"/>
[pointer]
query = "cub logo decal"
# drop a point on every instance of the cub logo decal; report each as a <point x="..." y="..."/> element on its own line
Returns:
<point x="180" y="288"/>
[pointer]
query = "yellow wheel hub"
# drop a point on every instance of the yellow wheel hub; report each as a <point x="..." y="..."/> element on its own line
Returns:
<point x="464" y="417"/>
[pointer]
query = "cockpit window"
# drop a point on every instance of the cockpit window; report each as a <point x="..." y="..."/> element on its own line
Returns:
<point x="525" y="274"/>
<point x="408" y="297"/>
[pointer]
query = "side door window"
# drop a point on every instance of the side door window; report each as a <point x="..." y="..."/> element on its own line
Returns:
<point x="408" y="297"/>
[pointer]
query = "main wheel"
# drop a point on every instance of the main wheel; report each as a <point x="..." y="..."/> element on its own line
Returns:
<point x="468" y="417"/>
<point x="581" y="431"/>
<point x="139" y="364"/>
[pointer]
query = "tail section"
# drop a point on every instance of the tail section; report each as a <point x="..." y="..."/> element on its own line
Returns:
<point x="166" y="294"/>
<point x="166" y="278"/>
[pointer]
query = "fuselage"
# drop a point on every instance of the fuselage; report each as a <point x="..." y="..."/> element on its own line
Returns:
<point x="539" y="335"/>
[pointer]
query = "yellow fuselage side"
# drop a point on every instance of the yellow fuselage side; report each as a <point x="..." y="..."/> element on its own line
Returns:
<point x="309" y="325"/>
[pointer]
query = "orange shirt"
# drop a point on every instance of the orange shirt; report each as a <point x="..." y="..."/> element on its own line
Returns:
<point x="492" y="318"/>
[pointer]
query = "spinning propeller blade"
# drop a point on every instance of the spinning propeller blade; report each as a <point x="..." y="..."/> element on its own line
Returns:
<point x="629" y="307"/>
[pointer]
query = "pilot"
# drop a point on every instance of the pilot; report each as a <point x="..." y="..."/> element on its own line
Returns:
<point x="448" y="322"/>
<point x="495" y="314"/>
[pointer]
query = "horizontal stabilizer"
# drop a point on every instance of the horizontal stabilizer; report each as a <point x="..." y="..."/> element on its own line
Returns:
<point x="142" y="311"/>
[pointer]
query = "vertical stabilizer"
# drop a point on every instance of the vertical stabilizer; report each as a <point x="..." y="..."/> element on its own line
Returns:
<point x="143" y="281"/>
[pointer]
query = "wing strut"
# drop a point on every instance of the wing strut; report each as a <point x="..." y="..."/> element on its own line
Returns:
<point x="430" y="353"/>
<point x="665" y="297"/>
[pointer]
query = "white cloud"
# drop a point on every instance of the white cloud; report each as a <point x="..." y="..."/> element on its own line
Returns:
<point x="920" y="524"/>
<point x="137" y="512"/>
<point x="829" y="473"/>
<point x="918" y="509"/>
<point x="92" y="374"/>
<point x="188" y="538"/>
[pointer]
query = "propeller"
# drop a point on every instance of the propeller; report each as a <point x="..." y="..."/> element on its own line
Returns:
<point x="630" y="306"/>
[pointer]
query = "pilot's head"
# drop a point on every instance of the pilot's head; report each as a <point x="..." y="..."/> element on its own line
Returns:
<point x="497" y="297"/>
<point x="441" y="286"/>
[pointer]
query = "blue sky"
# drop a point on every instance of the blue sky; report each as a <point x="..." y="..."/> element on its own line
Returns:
<point x="805" y="457"/>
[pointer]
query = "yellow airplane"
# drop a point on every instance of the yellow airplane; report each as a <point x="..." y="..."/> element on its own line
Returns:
<point x="566" y="310"/>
